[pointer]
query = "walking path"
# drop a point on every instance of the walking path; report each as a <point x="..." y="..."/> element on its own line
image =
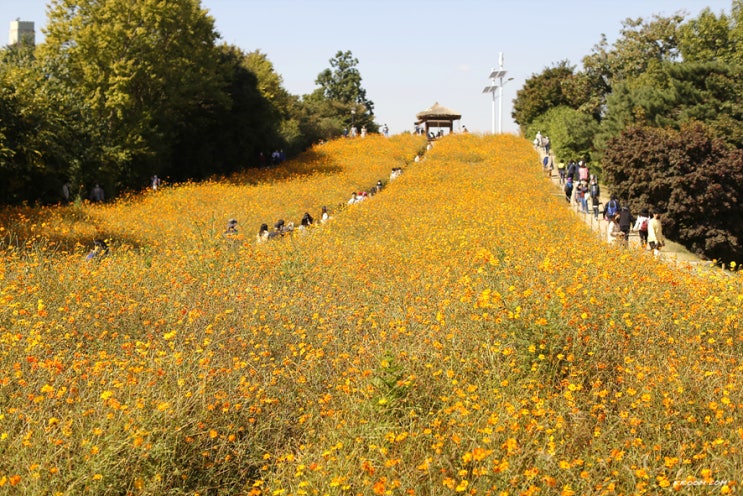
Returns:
<point x="672" y="252"/>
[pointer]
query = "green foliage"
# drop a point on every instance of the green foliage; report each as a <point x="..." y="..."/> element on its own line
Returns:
<point x="224" y="140"/>
<point x="643" y="44"/>
<point x="37" y="128"/>
<point x="692" y="176"/>
<point x="123" y="90"/>
<point x="148" y="74"/>
<point x="540" y="93"/>
<point x="571" y="132"/>
<point x="677" y="94"/>
<point x="341" y="84"/>
<point x="707" y="38"/>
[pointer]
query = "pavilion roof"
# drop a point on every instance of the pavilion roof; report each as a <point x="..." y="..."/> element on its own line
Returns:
<point x="438" y="112"/>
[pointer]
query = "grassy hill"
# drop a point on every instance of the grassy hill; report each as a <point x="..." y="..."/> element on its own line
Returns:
<point x="458" y="332"/>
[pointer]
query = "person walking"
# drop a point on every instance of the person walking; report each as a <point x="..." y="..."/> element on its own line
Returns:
<point x="625" y="222"/>
<point x="582" y="193"/>
<point x="572" y="169"/>
<point x="595" y="191"/>
<point x="569" y="189"/>
<point x="641" y="226"/>
<point x="561" y="171"/>
<point x="656" y="241"/>
<point x="611" y="208"/>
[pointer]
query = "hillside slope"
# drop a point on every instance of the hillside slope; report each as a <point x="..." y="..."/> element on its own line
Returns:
<point x="459" y="331"/>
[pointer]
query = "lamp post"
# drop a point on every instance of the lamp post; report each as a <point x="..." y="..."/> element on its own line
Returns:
<point x="491" y="88"/>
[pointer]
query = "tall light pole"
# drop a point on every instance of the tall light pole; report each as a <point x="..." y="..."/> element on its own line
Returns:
<point x="491" y="88"/>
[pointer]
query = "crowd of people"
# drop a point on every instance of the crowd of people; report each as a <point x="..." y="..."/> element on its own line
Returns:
<point x="282" y="228"/>
<point x="582" y="189"/>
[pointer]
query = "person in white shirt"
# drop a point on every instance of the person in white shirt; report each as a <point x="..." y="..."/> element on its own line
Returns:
<point x="324" y="215"/>
<point x="655" y="234"/>
<point x="641" y="226"/>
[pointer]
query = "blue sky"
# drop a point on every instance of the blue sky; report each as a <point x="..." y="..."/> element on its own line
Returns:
<point x="414" y="53"/>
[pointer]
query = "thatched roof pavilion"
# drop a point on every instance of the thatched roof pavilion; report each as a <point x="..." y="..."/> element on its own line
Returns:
<point x="437" y="116"/>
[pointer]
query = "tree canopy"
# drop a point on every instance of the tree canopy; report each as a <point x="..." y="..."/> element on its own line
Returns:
<point x="122" y="90"/>
<point x="658" y="109"/>
<point x="694" y="178"/>
<point x="341" y="83"/>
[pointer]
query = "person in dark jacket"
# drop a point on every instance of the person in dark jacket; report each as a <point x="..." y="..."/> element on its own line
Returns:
<point x="625" y="222"/>
<point x="569" y="189"/>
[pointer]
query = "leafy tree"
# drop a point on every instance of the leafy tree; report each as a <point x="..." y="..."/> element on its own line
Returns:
<point x="269" y="81"/>
<point x="707" y="38"/>
<point x="736" y="33"/>
<point x="641" y="48"/>
<point x="676" y="94"/>
<point x="283" y="103"/>
<point x="228" y="139"/>
<point x="570" y="131"/>
<point x="37" y="138"/>
<point x="144" y="69"/>
<point x="542" y="92"/>
<point x="693" y="177"/>
<point x="644" y="44"/>
<point x="341" y="83"/>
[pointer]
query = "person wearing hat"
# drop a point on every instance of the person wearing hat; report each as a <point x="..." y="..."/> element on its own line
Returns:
<point x="231" y="226"/>
<point x="100" y="250"/>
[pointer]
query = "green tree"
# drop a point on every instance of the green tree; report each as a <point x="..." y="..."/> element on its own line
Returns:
<point x="640" y="50"/>
<point x="144" y="69"/>
<point x="270" y="83"/>
<point x="570" y="131"/>
<point x="341" y="83"/>
<point x="707" y="38"/>
<point x="643" y="45"/>
<point x="677" y="94"/>
<point x="229" y="138"/>
<point x="736" y="33"/>
<point x="286" y="105"/>
<point x="542" y="92"/>
<point x="38" y="134"/>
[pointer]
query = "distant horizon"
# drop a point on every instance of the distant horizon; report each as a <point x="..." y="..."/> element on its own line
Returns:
<point x="416" y="53"/>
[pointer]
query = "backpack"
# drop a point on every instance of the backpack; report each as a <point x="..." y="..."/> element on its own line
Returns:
<point x="611" y="208"/>
<point x="644" y="225"/>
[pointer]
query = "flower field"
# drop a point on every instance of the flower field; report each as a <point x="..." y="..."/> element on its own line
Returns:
<point x="459" y="332"/>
